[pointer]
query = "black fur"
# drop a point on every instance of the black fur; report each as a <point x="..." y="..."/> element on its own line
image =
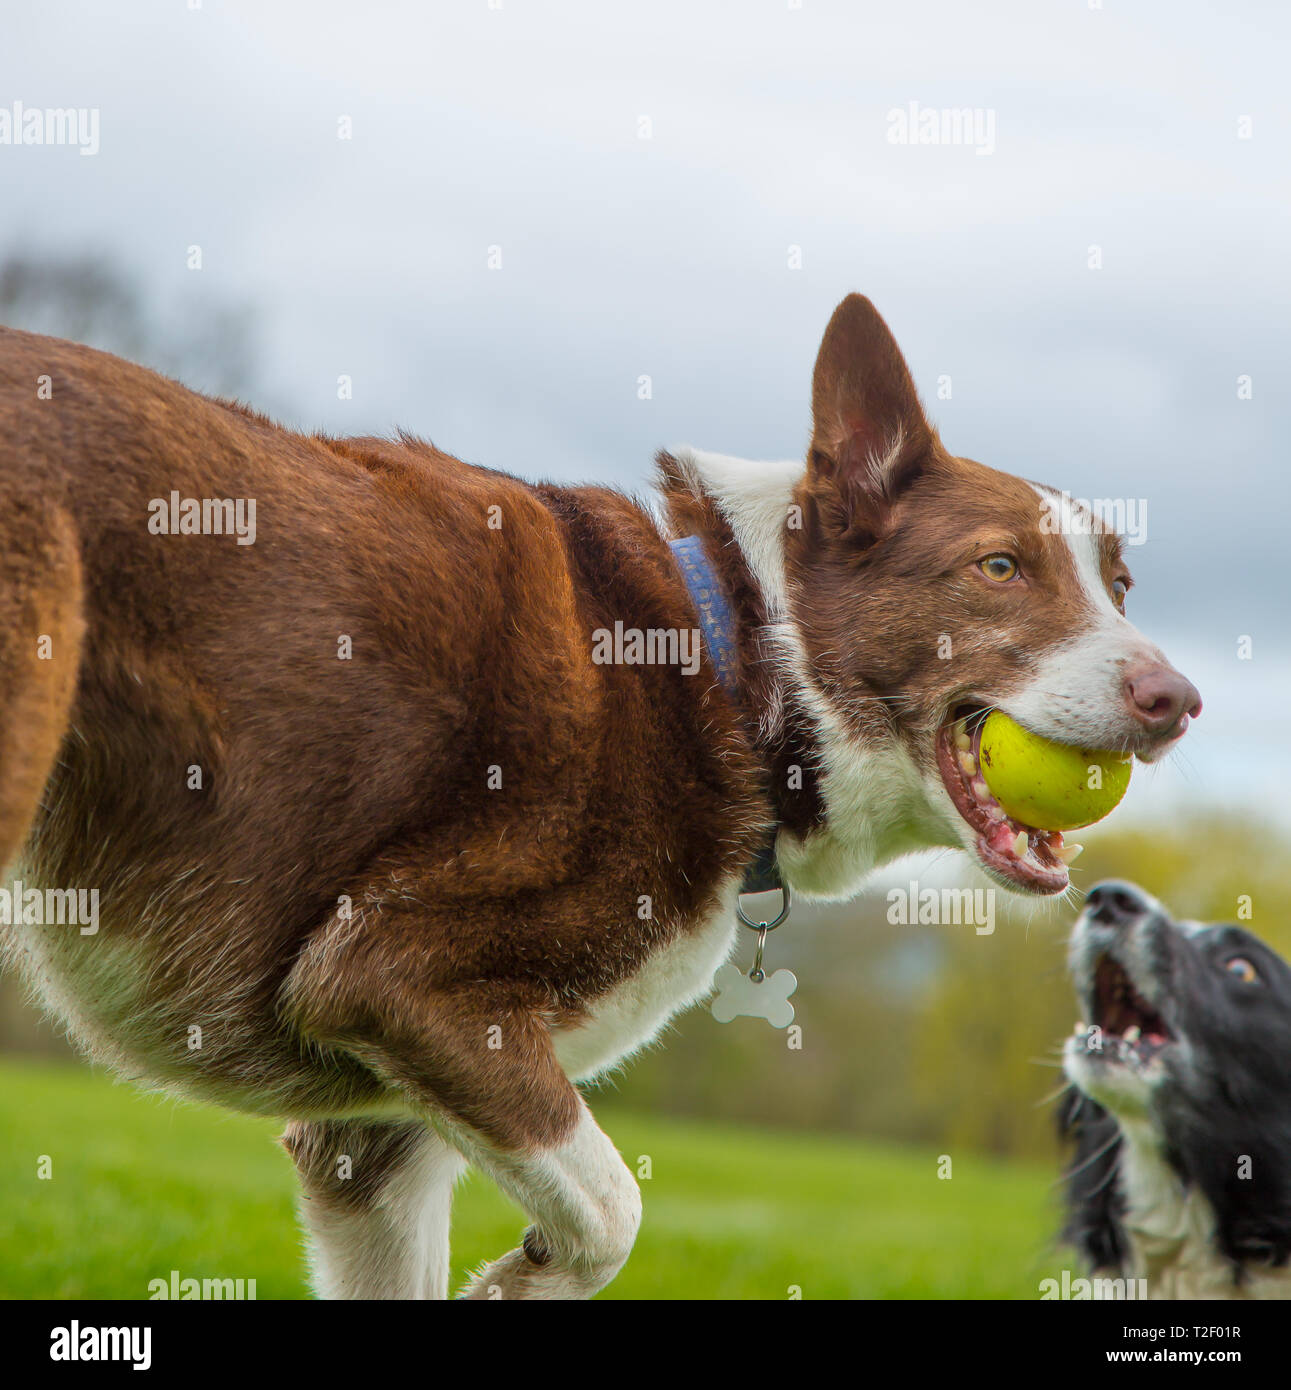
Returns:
<point x="1222" y="1109"/>
<point x="1095" y="1206"/>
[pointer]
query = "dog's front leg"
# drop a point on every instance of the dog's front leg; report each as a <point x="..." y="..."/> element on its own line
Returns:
<point x="478" y="1065"/>
<point x="376" y="1197"/>
<point x="585" y="1206"/>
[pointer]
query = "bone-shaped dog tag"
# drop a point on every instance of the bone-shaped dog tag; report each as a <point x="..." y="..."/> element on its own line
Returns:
<point x="740" y="997"/>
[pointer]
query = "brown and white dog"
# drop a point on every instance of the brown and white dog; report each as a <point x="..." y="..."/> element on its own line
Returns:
<point x="382" y="849"/>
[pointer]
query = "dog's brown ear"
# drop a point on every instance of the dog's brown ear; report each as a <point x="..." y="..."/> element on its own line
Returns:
<point x="869" y="432"/>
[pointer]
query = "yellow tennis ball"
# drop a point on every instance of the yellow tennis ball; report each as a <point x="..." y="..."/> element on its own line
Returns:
<point x="1047" y="785"/>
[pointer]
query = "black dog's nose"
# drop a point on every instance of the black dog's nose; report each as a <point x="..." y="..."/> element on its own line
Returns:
<point x="1116" y="904"/>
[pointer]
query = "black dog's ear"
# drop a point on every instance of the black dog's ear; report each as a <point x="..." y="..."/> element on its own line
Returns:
<point x="1095" y="1206"/>
<point x="1252" y="1209"/>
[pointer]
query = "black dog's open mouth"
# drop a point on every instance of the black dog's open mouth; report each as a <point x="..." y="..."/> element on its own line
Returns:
<point x="1128" y="1026"/>
<point x="1030" y="859"/>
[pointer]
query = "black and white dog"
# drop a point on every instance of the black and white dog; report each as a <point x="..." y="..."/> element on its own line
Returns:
<point x="1180" y="1102"/>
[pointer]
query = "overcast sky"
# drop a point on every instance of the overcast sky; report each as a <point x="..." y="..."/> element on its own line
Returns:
<point x="1155" y="133"/>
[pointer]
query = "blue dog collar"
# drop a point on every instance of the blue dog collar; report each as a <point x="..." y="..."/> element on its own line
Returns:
<point x="715" y="615"/>
<point x="717" y="621"/>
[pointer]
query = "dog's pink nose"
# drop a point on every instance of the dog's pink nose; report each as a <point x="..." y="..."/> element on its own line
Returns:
<point x="1161" y="699"/>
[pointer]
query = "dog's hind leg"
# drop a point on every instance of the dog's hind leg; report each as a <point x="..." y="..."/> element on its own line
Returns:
<point x="41" y="630"/>
<point x="376" y="1201"/>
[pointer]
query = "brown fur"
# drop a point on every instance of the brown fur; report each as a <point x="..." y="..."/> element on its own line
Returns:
<point x="347" y="920"/>
<point x="373" y="1151"/>
<point x="782" y="733"/>
<point x="883" y="564"/>
<point x="364" y="779"/>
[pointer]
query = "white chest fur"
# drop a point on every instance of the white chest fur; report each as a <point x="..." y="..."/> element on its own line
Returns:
<point x="672" y="978"/>
<point x="1172" y="1233"/>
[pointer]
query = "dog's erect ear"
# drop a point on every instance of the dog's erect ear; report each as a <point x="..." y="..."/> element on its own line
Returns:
<point x="869" y="432"/>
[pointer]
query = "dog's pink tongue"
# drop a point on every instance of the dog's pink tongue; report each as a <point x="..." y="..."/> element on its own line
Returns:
<point x="1002" y="837"/>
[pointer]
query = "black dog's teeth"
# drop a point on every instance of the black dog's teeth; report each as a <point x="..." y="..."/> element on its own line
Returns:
<point x="1123" y="1016"/>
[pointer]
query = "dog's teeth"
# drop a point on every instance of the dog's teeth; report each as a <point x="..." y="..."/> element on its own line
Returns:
<point x="1021" y="844"/>
<point x="980" y="790"/>
<point x="962" y="741"/>
<point x="968" y="763"/>
<point x="1132" y="1033"/>
<point x="1070" y="853"/>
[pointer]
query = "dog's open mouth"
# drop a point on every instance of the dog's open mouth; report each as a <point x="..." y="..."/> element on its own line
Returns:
<point x="1027" y="858"/>
<point x="1124" y="1026"/>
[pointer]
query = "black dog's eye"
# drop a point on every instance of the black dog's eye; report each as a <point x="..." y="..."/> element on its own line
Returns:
<point x="1000" y="568"/>
<point x="1243" y="969"/>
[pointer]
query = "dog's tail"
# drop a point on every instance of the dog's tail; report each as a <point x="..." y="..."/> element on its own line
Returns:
<point x="42" y="628"/>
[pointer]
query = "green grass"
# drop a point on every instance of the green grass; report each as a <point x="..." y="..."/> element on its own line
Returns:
<point x="141" y="1185"/>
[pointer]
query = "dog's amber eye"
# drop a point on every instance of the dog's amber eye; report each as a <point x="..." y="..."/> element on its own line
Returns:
<point x="1243" y="969"/>
<point x="1119" y="589"/>
<point x="1000" y="568"/>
